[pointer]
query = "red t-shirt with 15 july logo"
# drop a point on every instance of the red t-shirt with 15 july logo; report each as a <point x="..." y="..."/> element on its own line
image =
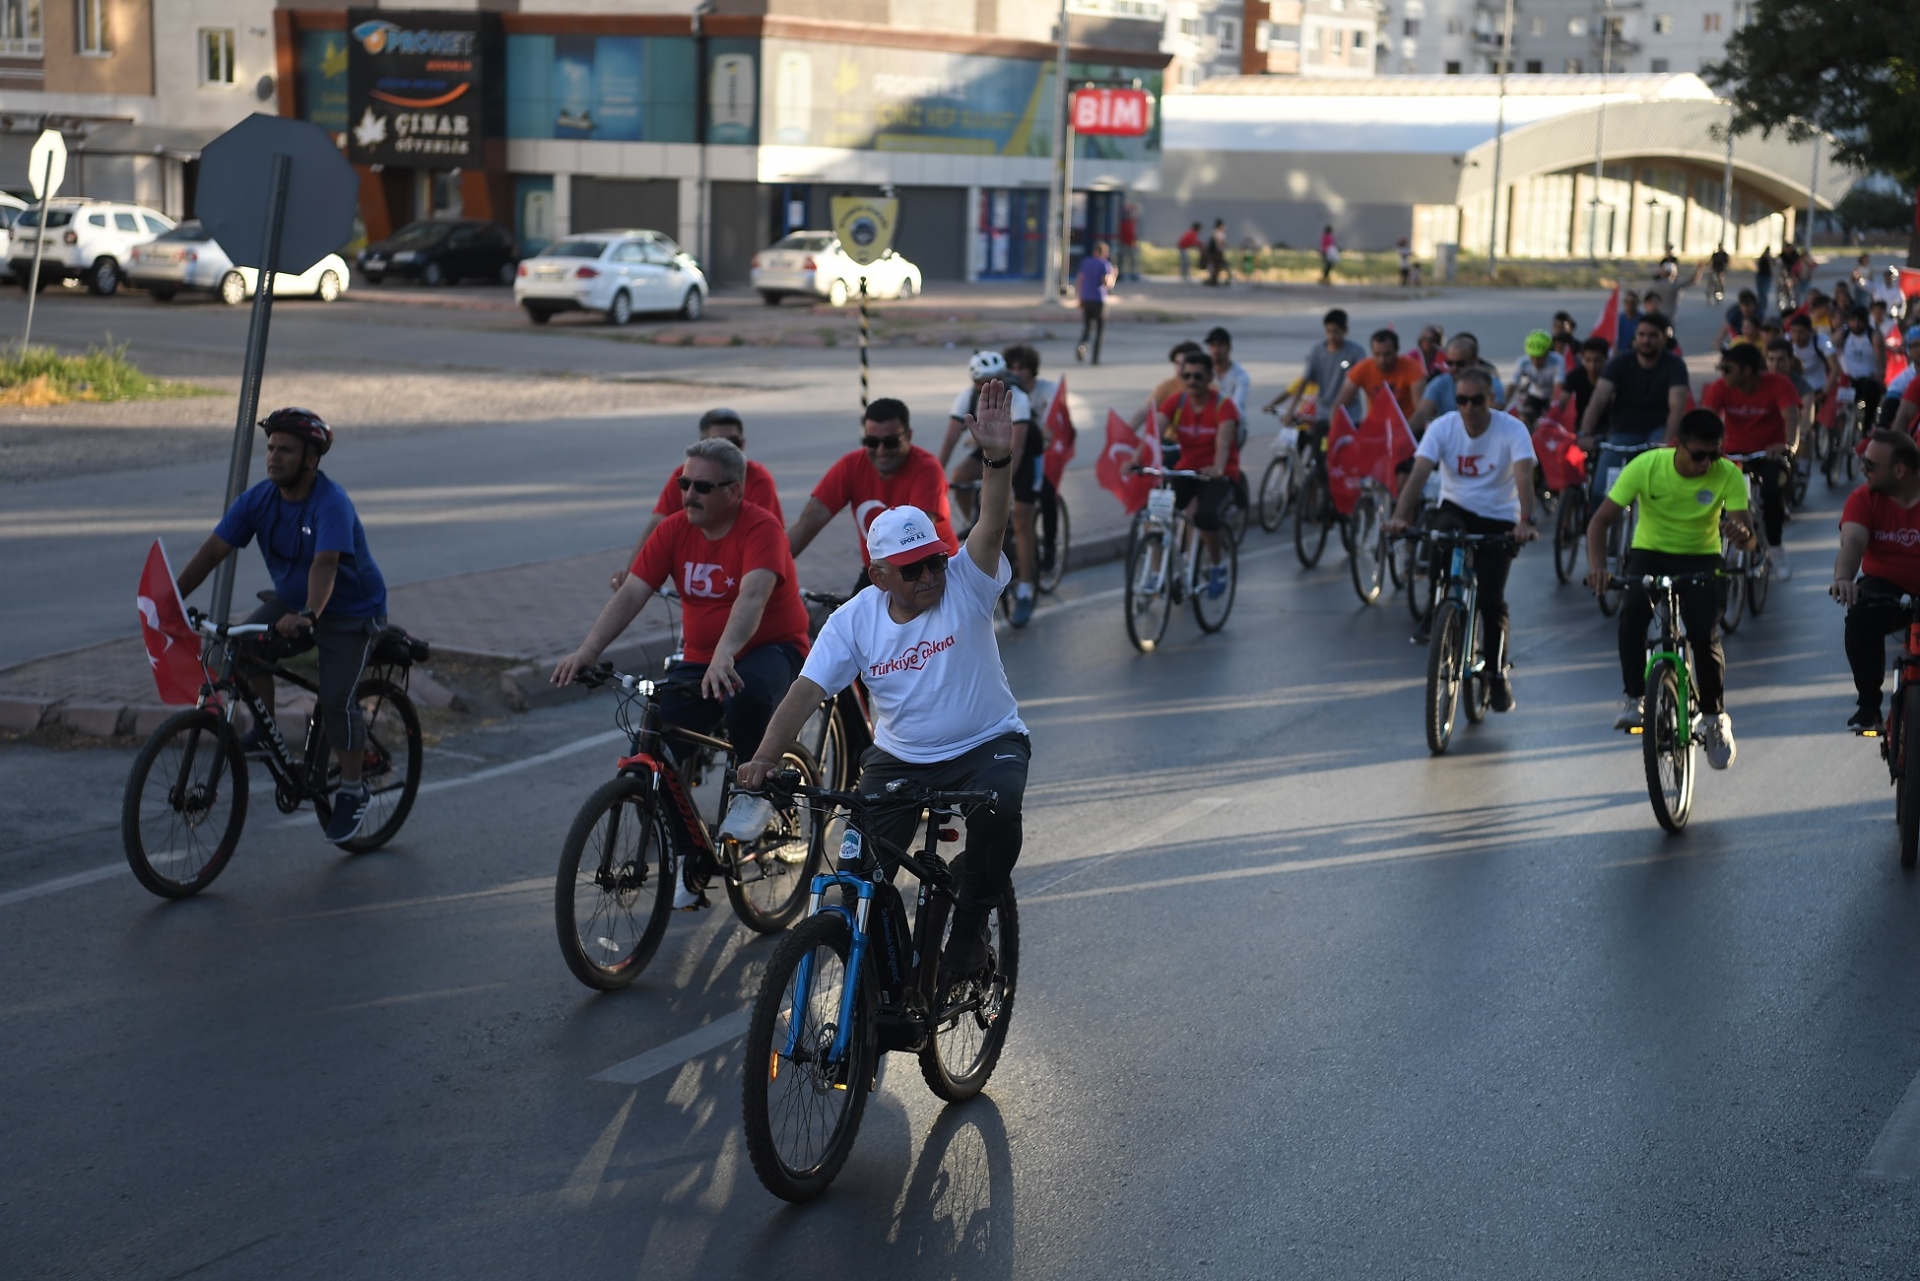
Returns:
<point x="708" y="571"/>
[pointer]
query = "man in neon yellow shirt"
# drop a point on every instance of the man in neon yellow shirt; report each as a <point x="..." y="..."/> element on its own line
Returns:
<point x="1683" y="492"/>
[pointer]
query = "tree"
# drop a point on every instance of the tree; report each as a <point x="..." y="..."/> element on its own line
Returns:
<point x="1850" y="68"/>
<point x="1875" y="209"/>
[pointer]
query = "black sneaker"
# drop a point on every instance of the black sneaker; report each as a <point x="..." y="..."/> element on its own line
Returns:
<point x="1500" y="694"/>
<point x="349" y="811"/>
<point x="1865" y="721"/>
<point x="967" y="948"/>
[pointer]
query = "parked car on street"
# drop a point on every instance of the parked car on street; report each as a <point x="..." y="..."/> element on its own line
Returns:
<point x="443" y="251"/>
<point x="87" y="240"/>
<point x="618" y="272"/>
<point x="812" y="264"/>
<point x="11" y="207"/>
<point x="189" y="260"/>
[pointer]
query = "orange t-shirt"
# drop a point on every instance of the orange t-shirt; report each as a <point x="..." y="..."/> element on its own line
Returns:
<point x="1406" y="377"/>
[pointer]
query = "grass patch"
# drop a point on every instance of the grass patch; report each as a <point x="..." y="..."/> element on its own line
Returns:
<point x="1302" y="266"/>
<point x="37" y="377"/>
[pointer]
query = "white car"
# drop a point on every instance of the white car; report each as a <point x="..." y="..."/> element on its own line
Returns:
<point x="616" y="272"/>
<point x="11" y="207"/>
<point x="811" y="262"/>
<point x="189" y="260"/>
<point x="88" y="240"/>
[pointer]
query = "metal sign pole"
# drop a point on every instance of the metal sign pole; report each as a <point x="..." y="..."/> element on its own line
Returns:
<point x="863" y="344"/>
<point x="39" y="246"/>
<point x="1499" y="144"/>
<point x="251" y="369"/>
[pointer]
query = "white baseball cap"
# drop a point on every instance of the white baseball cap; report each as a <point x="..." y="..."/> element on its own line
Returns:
<point x="903" y="535"/>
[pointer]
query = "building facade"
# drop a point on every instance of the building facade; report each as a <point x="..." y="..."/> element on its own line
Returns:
<point x="1556" y="37"/>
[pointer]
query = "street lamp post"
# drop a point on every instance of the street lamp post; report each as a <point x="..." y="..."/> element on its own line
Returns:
<point x="1499" y="143"/>
<point x="1057" y="248"/>
<point x="1600" y="136"/>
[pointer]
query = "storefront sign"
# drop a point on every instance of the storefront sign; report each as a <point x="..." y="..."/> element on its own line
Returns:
<point x="731" y="99"/>
<point x="597" y="88"/>
<point x="865" y="226"/>
<point x="1113" y="113"/>
<point x="414" y="87"/>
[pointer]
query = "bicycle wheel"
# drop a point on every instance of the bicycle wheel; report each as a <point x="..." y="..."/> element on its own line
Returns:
<point x="179" y="822"/>
<point x="1732" y="589"/>
<point x="1802" y="474"/>
<point x="1276" y="489"/>
<point x="1444" y="663"/>
<point x="1056" y="540"/>
<point x="802" y="1112"/>
<point x="1667" y="746"/>
<point x="1312" y="517"/>
<point x="1759" y="579"/>
<point x="771" y="878"/>
<point x="1364" y="565"/>
<point x="1209" y="610"/>
<point x="390" y="765"/>
<point x="1476" y="689"/>
<point x="1619" y="538"/>
<point x="615" y="883"/>
<point x="1419" y="581"/>
<point x="1907" y="791"/>
<point x="1849" y="442"/>
<point x="970" y="1027"/>
<point x="1569" y="533"/>
<point x="1149" y="602"/>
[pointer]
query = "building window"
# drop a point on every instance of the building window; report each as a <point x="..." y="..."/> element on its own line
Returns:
<point x="1411" y="27"/>
<point x="1574" y="67"/>
<point x="1537" y="27"/>
<point x="1359" y="41"/>
<point x="1456" y="26"/>
<point x="1533" y="66"/>
<point x="1453" y="68"/>
<point x="1710" y="21"/>
<point x="1229" y="35"/>
<point x="1662" y="24"/>
<point x="1658" y="66"/>
<point x="1577" y="27"/>
<point x="1189" y="76"/>
<point x="20" y="29"/>
<point x="1190" y="27"/>
<point x="90" y="17"/>
<point x="216" y="55"/>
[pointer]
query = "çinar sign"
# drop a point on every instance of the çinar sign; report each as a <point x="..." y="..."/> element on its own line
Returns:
<point x="865" y="225"/>
<point x="1117" y="113"/>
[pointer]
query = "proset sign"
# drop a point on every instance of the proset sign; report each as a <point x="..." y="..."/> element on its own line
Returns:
<point x="415" y="87"/>
<point x="1113" y="113"/>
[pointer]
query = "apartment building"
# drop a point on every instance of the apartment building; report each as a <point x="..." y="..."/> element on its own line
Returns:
<point x="1556" y="37"/>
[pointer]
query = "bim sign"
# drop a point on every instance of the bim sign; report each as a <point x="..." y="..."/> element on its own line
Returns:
<point x="1120" y="113"/>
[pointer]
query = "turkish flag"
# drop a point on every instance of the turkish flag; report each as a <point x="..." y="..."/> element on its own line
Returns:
<point x="1563" y="464"/>
<point x="1060" y="435"/>
<point x="1347" y="464"/>
<point x="1608" y="325"/>
<point x="1828" y="415"/>
<point x="173" y="650"/>
<point x="1910" y="277"/>
<point x="1122" y="451"/>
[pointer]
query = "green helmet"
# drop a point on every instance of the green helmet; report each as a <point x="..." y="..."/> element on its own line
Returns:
<point x="1539" y="343"/>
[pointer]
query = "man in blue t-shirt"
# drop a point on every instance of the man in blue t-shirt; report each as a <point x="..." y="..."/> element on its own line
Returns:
<point x="328" y="593"/>
<point x="1096" y="277"/>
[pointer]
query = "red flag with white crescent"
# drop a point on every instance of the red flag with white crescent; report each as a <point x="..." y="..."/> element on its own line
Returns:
<point x="1060" y="435"/>
<point x="173" y="650"/>
<point x="1608" y="325"/>
<point x="1125" y="448"/>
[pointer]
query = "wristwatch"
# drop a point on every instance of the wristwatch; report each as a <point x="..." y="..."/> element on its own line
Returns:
<point x="996" y="462"/>
<point x="309" y="615"/>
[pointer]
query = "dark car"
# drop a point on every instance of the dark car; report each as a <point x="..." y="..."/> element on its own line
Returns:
<point x="443" y="251"/>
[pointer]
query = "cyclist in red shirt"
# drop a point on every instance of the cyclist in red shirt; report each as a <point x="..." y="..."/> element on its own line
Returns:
<point x="1200" y="431"/>
<point x="1880" y="541"/>
<point x="1756" y="406"/>
<point x="722" y="424"/>
<point x="888" y="470"/>
<point x="1405" y="375"/>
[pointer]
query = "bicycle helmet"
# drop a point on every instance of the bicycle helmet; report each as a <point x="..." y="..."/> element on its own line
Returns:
<point x="987" y="364"/>
<point x="304" y="423"/>
<point x="1539" y="343"/>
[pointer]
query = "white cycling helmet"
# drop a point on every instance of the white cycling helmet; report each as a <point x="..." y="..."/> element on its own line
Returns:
<point x="985" y="365"/>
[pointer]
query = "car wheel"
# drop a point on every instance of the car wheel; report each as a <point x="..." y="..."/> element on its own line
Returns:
<point x="329" y="287"/>
<point x="233" y="289"/>
<point x="432" y="275"/>
<point x="694" y="305"/>
<point x="837" y="293"/>
<point x="160" y="295"/>
<point x="771" y="298"/>
<point x="539" y="315"/>
<point x="105" y="278"/>
<point x="620" y="311"/>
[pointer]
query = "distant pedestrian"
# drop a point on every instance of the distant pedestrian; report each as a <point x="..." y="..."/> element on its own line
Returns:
<point x="1763" y="278"/>
<point x="1097" y="275"/>
<point x="1129" y="263"/>
<point x="1627" y="322"/>
<point x="1329" y="254"/>
<point x="1406" y="262"/>
<point x="1189" y="246"/>
<point x="1219" y="270"/>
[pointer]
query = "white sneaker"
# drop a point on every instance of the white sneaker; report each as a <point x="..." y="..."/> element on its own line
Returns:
<point x="1777" y="564"/>
<point x="1717" y="732"/>
<point x="748" y="818"/>
<point x="684" y="899"/>
<point x="1630" y="717"/>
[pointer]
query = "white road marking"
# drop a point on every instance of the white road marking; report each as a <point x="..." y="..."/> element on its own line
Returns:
<point x="666" y="1057"/>
<point x="61" y="883"/>
<point x="1895" y="1155"/>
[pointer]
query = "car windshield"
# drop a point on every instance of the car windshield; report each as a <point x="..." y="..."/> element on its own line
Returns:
<point x="190" y="232"/>
<point x="810" y="241"/>
<point x="55" y="218"/>
<point x="575" y="249"/>
<point x="417" y="234"/>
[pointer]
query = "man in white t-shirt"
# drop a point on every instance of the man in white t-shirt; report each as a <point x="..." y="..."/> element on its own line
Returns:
<point x="921" y="640"/>
<point x="1485" y="460"/>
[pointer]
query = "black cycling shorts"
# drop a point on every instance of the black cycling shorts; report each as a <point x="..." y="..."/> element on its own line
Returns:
<point x="1030" y="477"/>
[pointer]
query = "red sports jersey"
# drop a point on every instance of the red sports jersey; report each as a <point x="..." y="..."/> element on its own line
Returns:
<point x="1195" y="425"/>
<point x="1893" y="537"/>
<point x="708" y="572"/>
<point x="1754" y="419"/>
<point x="855" y="482"/>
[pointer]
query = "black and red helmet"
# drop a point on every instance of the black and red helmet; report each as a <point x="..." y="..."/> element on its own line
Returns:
<point x="304" y="423"/>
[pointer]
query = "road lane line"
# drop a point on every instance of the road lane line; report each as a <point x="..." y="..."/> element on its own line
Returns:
<point x="665" y="1058"/>
<point x="1409" y="852"/>
<point x="1141" y="837"/>
<point x="1895" y="1154"/>
<point x="62" y="883"/>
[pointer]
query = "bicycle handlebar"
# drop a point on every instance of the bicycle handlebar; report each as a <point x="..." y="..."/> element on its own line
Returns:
<point x="1172" y="473"/>
<point x="207" y="627"/>
<point x="784" y="785"/>
<point x="1454" y="536"/>
<point x="831" y="600"/>
<point x="1663" y="581"/>
<point x="596" y="677"/>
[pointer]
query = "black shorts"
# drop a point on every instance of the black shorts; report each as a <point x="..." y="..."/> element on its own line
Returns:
<point x="345" y="645"/>
<point x="1030" y="477"/>
<point x="1214" y="493"/>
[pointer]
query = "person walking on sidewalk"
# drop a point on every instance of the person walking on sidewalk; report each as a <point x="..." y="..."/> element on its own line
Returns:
<point x="723" y="424"/>
<point x="1329" y="254"/>
<point x="1219" y="270"/>
<point x="1096" y="279"/>
<point x="1129" y="262"/>
<point x="1189" y="246"/>
<point x="328" y="594"/>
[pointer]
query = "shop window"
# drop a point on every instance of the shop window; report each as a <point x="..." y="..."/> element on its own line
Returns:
<point x="1662" y="24"/>
<point x="1533" y="66"/>
<point x="1411" y="27"/>
<point x="1453" y="68"/>
<point x="216" y="55"/>
<point x="1710" y="21"/>
<point x="90" y="22"/>
<point x="20" y="29"/>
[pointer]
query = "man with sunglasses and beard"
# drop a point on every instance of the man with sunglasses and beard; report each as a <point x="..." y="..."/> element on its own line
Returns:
<point x="887" y="470"/>
<point x="1880" y="541"/>
<point x="924" y="646"/>
<point x="1683" y="491"/>
<point x="1200" y="431"/>
<point x="758" y="488"/>
<point x="745" y="624"/>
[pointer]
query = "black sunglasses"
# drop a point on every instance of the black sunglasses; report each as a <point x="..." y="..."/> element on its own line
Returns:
<point x="1704" y="455"/>
<point x="882" y="442"/>
<point x="911" y="573"/>
<point x="1480" y="399"/>
<point x="703" y="486"/>
<point x="1196" y="376"/>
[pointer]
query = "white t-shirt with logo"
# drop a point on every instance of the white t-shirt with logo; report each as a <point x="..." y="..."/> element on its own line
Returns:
<point x="1019" y="408"/>
<point x="1477" y="472"/>
<point x="937" y="684"/>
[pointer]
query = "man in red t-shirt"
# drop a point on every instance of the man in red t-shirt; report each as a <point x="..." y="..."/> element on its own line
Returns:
<point x="1406" y="376"/>
<point x="1880" y="541"/>
<point x="1756" y="406"/>
<point x="888" y="470"/>
<point x="715" y="424"/>
<point x="1910" y="398"/>
<point x="1200" y="431"/>
<point x="745" y="626"/>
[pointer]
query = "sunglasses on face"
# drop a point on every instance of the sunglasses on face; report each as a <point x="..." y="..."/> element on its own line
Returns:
<point x="882" y="442"/>
<point x="911" y="573"/>
<point x="1703" y="455"/>
<point x="1477" y="399"/>
<point x="1194" y="376"/>
<point x="702" y="486"/>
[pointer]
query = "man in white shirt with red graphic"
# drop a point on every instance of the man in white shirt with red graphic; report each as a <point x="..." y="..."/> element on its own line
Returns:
<point x="922" y="641"/>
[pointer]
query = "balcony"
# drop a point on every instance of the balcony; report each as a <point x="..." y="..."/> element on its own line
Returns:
<point x="17" y="47"/>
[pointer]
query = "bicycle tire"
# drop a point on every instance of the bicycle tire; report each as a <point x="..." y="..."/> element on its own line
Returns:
<point x="1055" y="549"/>
<point x="1276" y="490"/>
<point x="1802" y="476"/>
<point x="1363" y="565"/>
<point x="1619" y="540"/>
<point x="1419" y="582"/>
<point x="1399" y="558"/>
<point x="1569" y="533"/>
<point x="1907" y="790"/>
<point x="145" y="820"/>
<point x="803" y="1079"/>
<point x="965" y="1038"/>
<point x="776" y="911"/>
<point x="1849" y="446"/>
<point x="1310" y="522"/>
<point x="392" y="799"/>
<point x="1666" y="749"/>
<point x="1759" y="581"/>
<point x="1476" y="695"/>
<point x="626" y="904"/>
<point x="1443" y="674"/>
<point x="1731" y="587"/>
<point x="1149" y="605"/>
<point x="1211" y="611"/>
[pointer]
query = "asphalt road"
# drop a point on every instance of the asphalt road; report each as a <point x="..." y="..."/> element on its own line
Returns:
<point x="1297" y="999"/>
